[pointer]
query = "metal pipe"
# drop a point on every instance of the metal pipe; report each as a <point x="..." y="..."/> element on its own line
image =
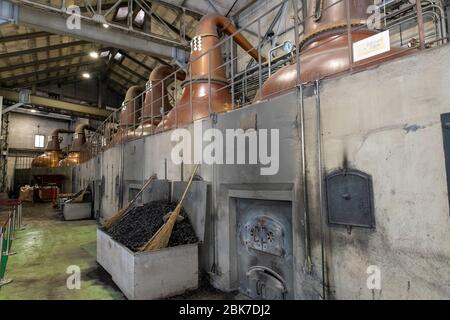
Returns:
<point x="413" y="17"/>
<point x="14" y="221"/>
<point x="420" y="24"/>
<point x="269" y="56"/>
<point x="320" y="175"/>
<point x="349" y="33"/>
<point x="9" y="239"/>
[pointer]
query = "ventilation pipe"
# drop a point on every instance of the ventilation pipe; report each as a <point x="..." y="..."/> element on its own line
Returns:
<point x="324" y="47"/>
<point x="206" y="67"/>
<point x="79" y="141"/>
<point x="53" y="153"/>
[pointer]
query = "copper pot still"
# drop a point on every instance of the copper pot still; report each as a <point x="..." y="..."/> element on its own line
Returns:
<point x="53" y="154"/>
<point x="324" y="48"/>
<point x="78" y="145"/>
<point x="201" y="87"/>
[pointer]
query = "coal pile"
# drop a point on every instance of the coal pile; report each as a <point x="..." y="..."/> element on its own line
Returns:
<point x="141" y="223"/>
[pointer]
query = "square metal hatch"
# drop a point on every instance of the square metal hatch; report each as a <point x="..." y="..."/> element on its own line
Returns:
<point x="350" y="199"/>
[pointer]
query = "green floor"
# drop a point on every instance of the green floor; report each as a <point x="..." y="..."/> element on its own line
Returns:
<point x="45" y="249"/>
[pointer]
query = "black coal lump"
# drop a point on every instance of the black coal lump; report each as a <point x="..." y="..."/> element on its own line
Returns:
<point x="141" y="223"/>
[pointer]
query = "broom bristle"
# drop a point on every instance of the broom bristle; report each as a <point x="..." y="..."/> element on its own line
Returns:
<point x="161" y="238"/>
<point x="114" y="219"/>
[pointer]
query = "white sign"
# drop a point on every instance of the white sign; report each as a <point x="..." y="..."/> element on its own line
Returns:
<point x="371" y="46"/>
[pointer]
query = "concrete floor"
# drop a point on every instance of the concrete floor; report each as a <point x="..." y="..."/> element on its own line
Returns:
<point x="47" y="245"/>
<point x="45" y="248"/>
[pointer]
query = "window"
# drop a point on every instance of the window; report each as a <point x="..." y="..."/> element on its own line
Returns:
<point x="38" y="141"/>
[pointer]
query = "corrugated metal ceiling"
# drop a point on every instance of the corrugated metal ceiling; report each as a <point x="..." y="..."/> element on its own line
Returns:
<point x="33" y="57"/>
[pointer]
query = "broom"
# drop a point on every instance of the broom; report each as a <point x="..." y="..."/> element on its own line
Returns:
<point x="161" y="238"/>
<point x="118" y="216"/>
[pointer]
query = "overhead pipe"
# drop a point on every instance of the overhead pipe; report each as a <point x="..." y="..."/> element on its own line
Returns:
<point x="205" y="89"/>
<point x="325" y="45"/>
<point x="52" y="153"/>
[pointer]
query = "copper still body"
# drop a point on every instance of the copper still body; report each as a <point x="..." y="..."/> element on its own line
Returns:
<point x="74" y="157"/>
<point x="325" y="46"/>
<point x="53" y="154"/>
<point x="207" y="79"/>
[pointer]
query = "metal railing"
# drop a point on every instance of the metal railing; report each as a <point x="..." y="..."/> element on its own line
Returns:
<point x="8" y="233"/>
<point x="244" y="82"/>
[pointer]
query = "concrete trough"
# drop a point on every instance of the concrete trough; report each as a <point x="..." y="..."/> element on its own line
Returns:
<point x="149" y="275"/>
<point x="77" y="211"/>
<point x="157" y="274"/>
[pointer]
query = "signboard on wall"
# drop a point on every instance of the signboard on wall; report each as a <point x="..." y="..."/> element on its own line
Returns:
<point x="371" y="46"/>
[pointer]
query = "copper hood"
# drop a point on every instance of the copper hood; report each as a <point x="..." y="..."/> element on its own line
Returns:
<point x="324" y="48"/>
<point x="79" y="142"/>
<point x="52" y="154"/>
<point x="197" y="89"/>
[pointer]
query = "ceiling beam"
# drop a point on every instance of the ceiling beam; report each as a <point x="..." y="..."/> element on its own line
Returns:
<point x="40" y="49"/>
<point x="55" y="79"/>
<point x="248" y="5"/>
<point x="42" y="62"/>
<point x="130" y="71"/>
<point x="58" y="104"/>
<point x="94" y="32"/>
<point x="195" y="14"/>
<point x="139" y="63"/>
<point x="121" y="76"/>
<point x="24" y="36"/>
<point x="47" y="70"/>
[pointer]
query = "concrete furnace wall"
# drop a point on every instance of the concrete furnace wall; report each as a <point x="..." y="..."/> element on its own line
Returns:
<point x="385" y="122"/>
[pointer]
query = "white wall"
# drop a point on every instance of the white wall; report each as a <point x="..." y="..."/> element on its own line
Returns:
<point x="22" y="129"/>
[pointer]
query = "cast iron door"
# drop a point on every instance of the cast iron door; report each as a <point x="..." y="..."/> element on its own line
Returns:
<point x="264" y="248"/>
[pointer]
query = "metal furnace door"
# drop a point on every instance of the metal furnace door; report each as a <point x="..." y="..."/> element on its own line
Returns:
<point x="264" y="248"/>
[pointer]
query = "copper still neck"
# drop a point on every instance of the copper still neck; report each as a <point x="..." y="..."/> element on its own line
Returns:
<point x="207" y="79"/>
<point x="325" y="46"/>
<point x="129" y="114"/>
<point x="80" y="137"/>
<point x="156" y="98"/>
<point x="207" y="39"/>
<point x="52" y="154"/>
<point x="54" y="143"/>
<point x="329" y="17"/>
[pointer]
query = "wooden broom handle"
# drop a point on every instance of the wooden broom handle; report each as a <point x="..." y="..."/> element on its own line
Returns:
<point x="153" y="177"/>
<point x="189" y="184"/>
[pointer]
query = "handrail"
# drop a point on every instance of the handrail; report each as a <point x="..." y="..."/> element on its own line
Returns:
<point x="8" y="231"/>
<point x="110" y="131"/>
